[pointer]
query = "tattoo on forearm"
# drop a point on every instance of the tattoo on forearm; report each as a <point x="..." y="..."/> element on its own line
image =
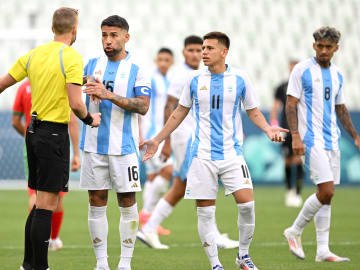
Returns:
<point x="169" y="108"/>
<point x="345" y="120"/>
<point x="291" y="117"/>
<point x="136" y="105"/>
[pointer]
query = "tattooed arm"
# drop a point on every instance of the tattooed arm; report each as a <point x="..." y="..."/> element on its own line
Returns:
<point x="345" y="120"/>
<point x="292" y="119"/>
<point x="139" y="104"/>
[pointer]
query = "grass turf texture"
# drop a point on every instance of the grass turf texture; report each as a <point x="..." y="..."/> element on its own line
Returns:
<point x="268" y="250"/>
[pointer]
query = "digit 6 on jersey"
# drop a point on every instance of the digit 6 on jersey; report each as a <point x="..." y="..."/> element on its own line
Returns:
<point x="133" y="173"/>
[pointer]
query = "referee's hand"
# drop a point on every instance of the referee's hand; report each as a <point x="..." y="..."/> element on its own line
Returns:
<point x="96" y="119"/>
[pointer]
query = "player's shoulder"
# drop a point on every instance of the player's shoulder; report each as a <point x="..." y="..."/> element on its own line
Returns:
<point x="233" y="71"/>
<point x="304" y="65"/>
<point x="337" y="69"/>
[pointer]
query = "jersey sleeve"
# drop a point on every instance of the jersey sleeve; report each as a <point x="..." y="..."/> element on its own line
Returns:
<point x="72" y="66"/>
<point x="18" y="106"/>
<point x="143" y="83"/>
<point x="295" y="86"/>
<point x="340" y="99"/>
<point x="186" y="96"/>
<point x="176" y="86"/>
<point x="19" y="70"/>
<point x="249" y="98"/>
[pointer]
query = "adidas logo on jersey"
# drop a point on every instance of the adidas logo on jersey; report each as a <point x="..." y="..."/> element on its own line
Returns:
<point x="317" y="80"/>
<point x="96" y="240"/>
<point x="134" y="185"/>
<point x="203" y="88"/>
<point x="98" y="72"/>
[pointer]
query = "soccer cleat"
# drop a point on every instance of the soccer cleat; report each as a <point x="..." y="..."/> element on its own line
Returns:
<point x="223" y="241"/>
<point x="101" y="268"/>
<point x="162" y="231"/>
<point x="151" y="240"/>
<point x="330" y="257"/>
<point x="22" y="268"/>
<point x="218" y="267"/>
<point x="55" y="244"/>
<point x="245" y="263"/>
<point x="144" y="217"/>
<point x="294" y="241"/>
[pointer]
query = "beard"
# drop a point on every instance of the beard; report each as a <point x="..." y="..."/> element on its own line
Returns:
<point x="113" y="53"/>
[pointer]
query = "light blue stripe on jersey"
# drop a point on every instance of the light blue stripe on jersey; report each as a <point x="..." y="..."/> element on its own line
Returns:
<point x="105" y="109"/>
<point x="308" y="94"/>
<point x="152" y="129"/>
<point x="194" y="96"/>
<point x="186" y="163"/>
<point x="128" y="144"/>
<point x="88" y="70"/>
<point x="341" y="81"/>
<point x="216" y="115"/>
<point x="327" y="103"/>
<point x="240" y="90"/>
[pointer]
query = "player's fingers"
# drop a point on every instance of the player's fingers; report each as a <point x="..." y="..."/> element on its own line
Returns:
<point x="283" y="130"/>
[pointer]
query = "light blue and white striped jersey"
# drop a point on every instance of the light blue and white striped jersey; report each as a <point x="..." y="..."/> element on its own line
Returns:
<point x="217" y="101"/>
<point x="153" y="121"/>
<point x="118" y="133"/>
<point x="318" y="90"/>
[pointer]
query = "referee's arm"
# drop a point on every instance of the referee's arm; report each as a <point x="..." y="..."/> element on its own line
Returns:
<point x="6" y="81"/>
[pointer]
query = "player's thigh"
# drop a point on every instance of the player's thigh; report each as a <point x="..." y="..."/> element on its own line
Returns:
<point x="202" y="180"/>
<point x="182" y="157"/>
<point x="235" y="175"/>
<point x="318" y="162"/>
<point x="124" y="173"/>
<point x="95" y="174"/>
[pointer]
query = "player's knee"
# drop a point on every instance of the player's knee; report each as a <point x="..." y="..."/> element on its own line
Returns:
<point x="326" y="195"/>
<point x="98" y="198"/>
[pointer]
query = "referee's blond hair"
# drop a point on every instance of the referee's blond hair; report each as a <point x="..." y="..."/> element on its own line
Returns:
<point x="64" y="19"/>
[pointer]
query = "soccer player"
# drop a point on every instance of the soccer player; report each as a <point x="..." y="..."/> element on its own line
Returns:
<point x="22" y="107"/>
<point x="110" y="157"/>
<point x="216" y="93"/>
<point x="292" y="196"/>
<point x="180" y="145"/>
<point x="158" y="171"/>
<point x="315" y="101"/>
<point x="55" y="71"/>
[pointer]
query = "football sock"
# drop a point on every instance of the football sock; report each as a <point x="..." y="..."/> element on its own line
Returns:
<point x="129" y="223"/>
<point x="56" y="222"/>
<point x="98" y="228"/>
<point x="40" y="235"/>
<point x="159" y="187"/>
<point x="147" y="193"/>
<point x="162" y="210"/>
<point x="299" y="178"/>
<point x="246" y="223"/>
<point x="206" y="221"/>
<point x="322" y="225"/>
<point x="28" y="252"/>
<point x="288" y="177"/>
<point x="308" y="211"/>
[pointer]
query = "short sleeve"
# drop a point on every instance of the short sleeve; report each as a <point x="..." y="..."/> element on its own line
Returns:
<point x="186" y="97"/>
<point x="295" y="85"/>
<point x="18" y="103"/>
<point x="340" y="99"/>
<point x="19" y="70"/>
<point x="143" y="83"/>
<point x="249" y="98"/>
<point x="72" y="66"/>
<point x="176" y="86"/>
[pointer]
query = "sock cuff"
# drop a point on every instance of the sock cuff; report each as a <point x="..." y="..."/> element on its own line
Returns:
<point x="97" y="211"/>
<point x="246" y="205"/>
<point x="324" y="211"/>
<point x="206" y="211"/>
<point x="42" y="213"/>
<point x="166" y="204"/>
<point x="315" y="201"/>
<point x="129" y="213"/>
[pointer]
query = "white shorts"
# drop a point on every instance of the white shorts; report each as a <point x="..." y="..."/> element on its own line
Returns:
<point x="99" y="172"/>
<point x="156" y="164"/>
<point x="324" y="165"/>
<point x="182" y="155"/>
<point x="202" y="181"/>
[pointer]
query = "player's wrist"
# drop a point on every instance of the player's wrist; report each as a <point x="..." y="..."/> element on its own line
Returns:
<point x="88" y="120"/>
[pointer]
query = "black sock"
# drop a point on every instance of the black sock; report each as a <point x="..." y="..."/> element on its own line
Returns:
<point x="299" y="178"/>
<point x="28" y="254"/>
<point x="288" y="177"/>
<point x="40" y="235"/>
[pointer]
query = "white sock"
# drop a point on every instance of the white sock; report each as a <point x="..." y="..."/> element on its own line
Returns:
<point x="162" y="210"/>
<point x="129" y="223"/>
<point x="98" y="228"/>
<point x="308" y="211"/>
<point x="206" y="221"/>
<point x="322" y="225"/>
<point x="159" y="187"/>
<point x="246" y="223"/>
<point x="147" y="193"/>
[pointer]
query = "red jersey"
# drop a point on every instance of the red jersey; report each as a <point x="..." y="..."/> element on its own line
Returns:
<point x="22" y="102"/>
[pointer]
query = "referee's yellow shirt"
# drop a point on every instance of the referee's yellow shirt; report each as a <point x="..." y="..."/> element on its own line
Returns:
<point x="49" y="67"/>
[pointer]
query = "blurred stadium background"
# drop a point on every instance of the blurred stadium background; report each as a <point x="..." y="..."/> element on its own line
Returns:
<point x="264" y="34"/>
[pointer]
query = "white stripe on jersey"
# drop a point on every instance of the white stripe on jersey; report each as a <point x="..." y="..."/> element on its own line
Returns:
<point x="217" y="100"/>
<point x="118" y="133"/>
<point x="318" y="90"/>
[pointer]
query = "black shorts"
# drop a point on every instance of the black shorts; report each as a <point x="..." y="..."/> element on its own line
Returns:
<point x="287" y="146"/>
<point x="48" y="156"/>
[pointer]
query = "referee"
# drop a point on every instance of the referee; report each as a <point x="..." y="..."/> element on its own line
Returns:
<point x="55" y="71"/>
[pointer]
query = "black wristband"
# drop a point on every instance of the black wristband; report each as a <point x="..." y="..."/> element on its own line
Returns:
<point x="88" y="119"/>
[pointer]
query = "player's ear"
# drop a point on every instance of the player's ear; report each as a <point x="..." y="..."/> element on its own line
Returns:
<point x="225" y="52"/>
<point x="183" y="52"/>
<point x="336" y="47"/>
<point x="314" y="45"/>
<point x="127" y="37"/>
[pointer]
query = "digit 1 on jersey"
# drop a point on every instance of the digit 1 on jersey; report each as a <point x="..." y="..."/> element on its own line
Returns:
<point x="132" y="173"/>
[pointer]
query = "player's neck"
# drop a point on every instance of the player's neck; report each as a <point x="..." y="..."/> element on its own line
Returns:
<point x="66" y="38"/>
<point x="116" y="58"/>
<point x="326" y="64"/>
<point x="217" y="68"/>
<point x="191" y="66"/>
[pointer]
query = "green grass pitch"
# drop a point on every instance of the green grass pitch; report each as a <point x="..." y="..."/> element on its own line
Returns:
<point x="268" y="250"/>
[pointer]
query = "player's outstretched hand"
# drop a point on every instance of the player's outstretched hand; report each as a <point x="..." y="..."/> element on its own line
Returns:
<point x="357" y="141"/>
<point x="96" y="119"/>
<point x="151" y="147"/>
<point x="274" y="133"/>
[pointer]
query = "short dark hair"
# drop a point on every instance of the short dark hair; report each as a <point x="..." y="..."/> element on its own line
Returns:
<point x="117" y="21"/>
<point x="64" y="19"/>
<point x="166" y="50"/>
<point x="193" y="40"/>
<point x="219" y="36"/>
<point x="327" y="33"/>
